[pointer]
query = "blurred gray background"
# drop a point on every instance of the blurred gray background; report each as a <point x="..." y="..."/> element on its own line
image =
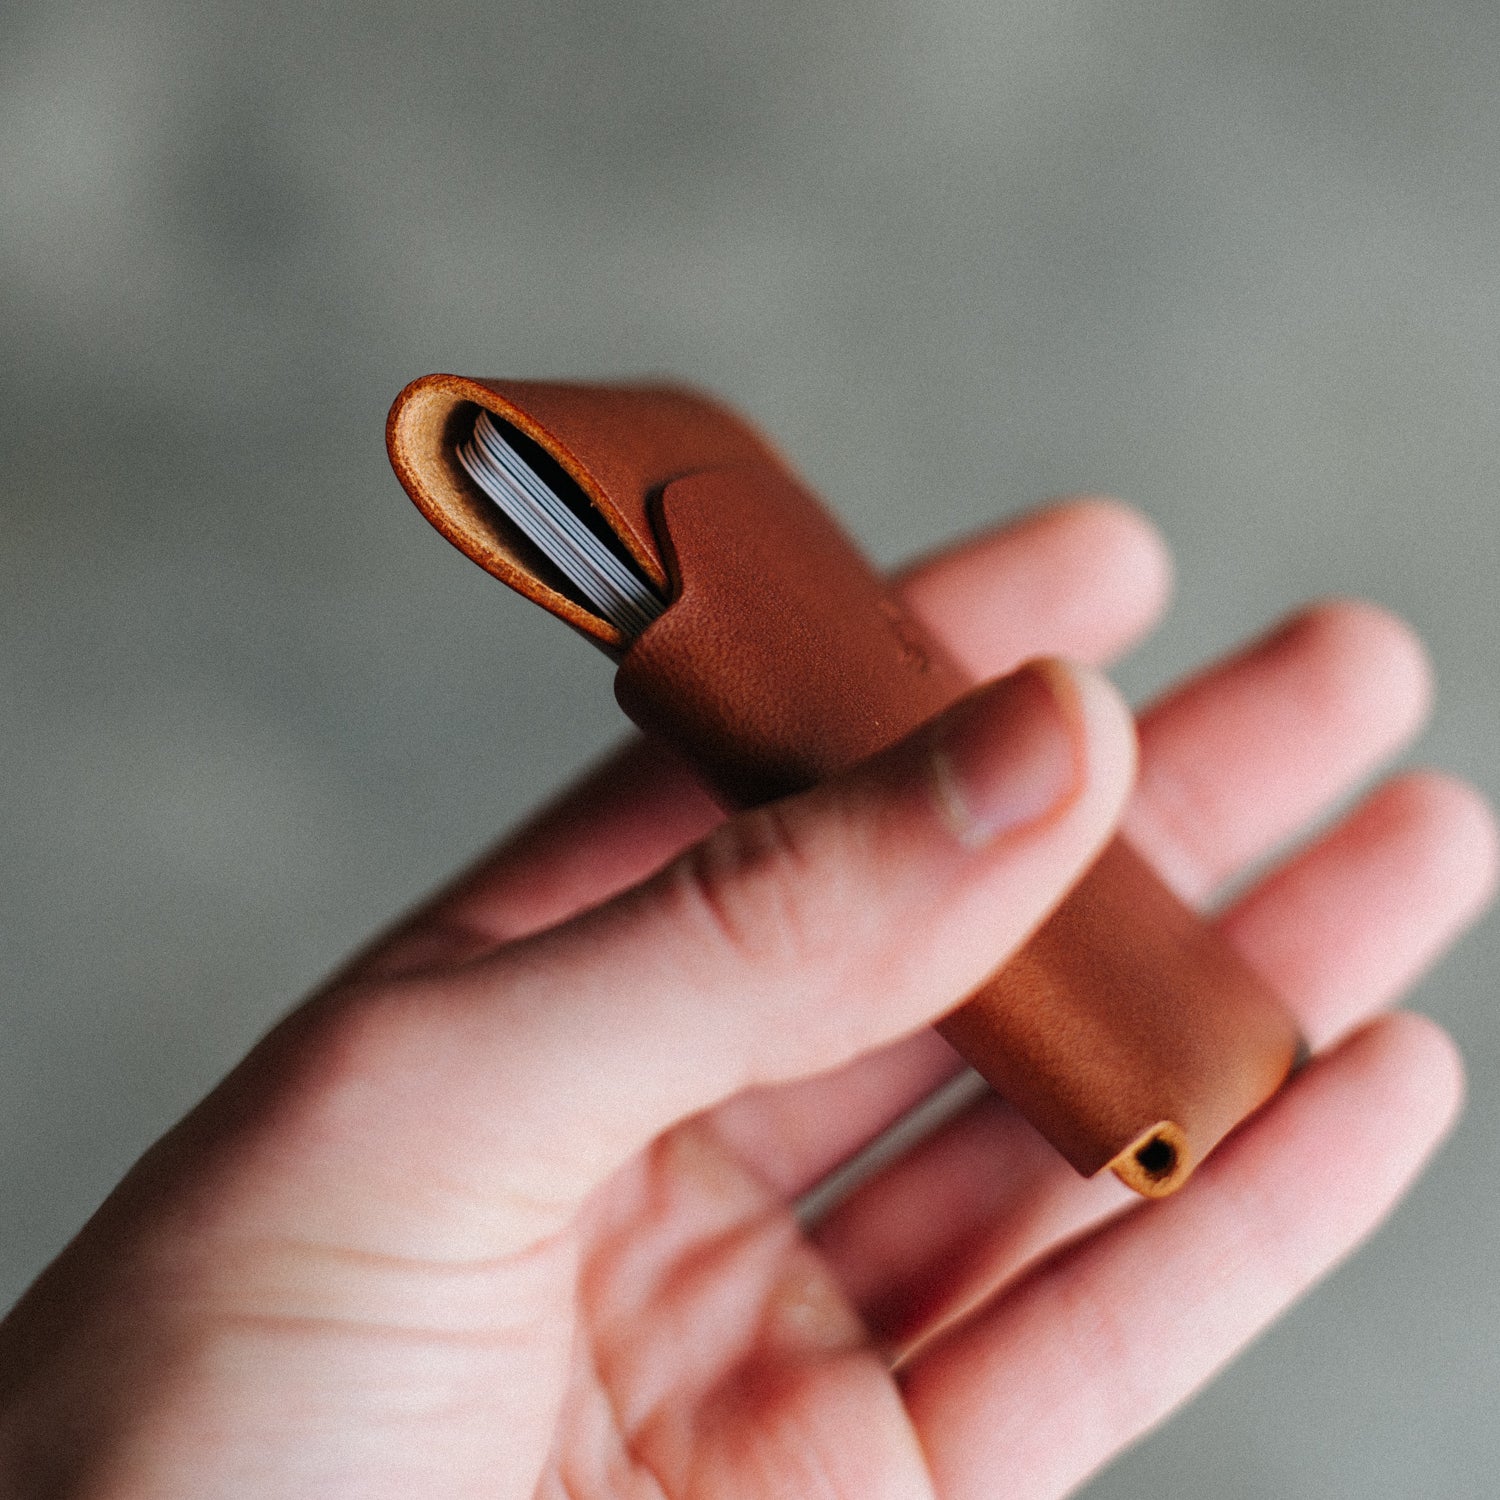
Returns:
<point x="1234" y="261"/>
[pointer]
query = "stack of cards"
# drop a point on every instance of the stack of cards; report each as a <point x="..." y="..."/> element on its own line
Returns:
<point x="609" y="584"/>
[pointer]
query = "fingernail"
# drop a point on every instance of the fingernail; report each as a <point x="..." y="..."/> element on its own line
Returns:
<point x="1010" y="755"/>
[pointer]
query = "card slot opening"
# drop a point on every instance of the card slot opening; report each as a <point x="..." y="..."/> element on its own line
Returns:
<point x="603" y="539"/>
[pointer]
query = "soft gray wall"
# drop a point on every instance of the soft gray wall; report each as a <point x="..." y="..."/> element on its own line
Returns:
<point x="1235" y="261"/>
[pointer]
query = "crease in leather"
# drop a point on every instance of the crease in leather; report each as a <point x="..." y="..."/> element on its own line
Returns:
<point x="782" y="657"/>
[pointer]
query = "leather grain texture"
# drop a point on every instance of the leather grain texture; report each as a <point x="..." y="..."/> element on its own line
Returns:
<point x="783" y="656"/>
<point x="1126" y="1030"/>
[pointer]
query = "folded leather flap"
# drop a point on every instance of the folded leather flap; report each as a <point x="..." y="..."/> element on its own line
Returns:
<point x="619" y="445"/>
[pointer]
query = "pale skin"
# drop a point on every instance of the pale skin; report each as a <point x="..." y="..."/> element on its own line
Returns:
<point x="505" y="1210"/>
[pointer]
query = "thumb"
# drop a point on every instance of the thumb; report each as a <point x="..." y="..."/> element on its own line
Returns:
<point x="480" y="1105"/>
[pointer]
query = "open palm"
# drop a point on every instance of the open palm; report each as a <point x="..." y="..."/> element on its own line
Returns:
<point x="509" y="1209"/>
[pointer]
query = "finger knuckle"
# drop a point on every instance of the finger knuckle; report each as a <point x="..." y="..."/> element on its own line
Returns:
<point x="769" y="888"/>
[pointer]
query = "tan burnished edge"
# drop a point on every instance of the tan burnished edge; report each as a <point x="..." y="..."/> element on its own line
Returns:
<point x="1156" y="1163"/>
<point x="422" y="452"/>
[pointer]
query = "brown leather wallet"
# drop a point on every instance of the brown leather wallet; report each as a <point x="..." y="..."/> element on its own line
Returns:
<point x="1125" y="1030"/>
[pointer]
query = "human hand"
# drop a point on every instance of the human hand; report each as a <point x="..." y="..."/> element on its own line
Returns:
<point x="506" y="1210"/>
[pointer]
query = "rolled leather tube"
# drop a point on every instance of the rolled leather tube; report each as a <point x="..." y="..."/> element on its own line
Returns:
<point x="1125" y="1030"/>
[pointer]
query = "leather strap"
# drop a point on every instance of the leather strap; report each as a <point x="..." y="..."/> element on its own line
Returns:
<point x="1126" y="1030"/>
